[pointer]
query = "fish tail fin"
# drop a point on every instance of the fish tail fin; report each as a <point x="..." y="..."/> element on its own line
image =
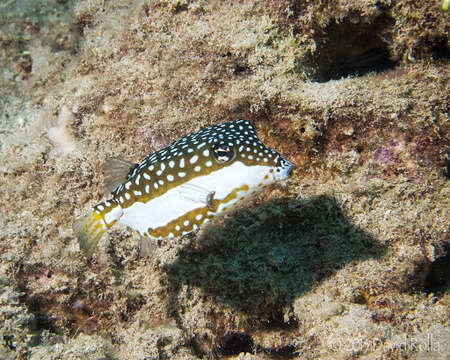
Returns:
<point x="90" y="228"/>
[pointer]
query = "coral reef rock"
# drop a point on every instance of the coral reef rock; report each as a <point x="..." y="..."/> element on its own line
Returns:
<point x="347" y="259"/>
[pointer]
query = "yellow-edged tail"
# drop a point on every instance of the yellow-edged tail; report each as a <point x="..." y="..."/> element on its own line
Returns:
<point x="90" y="228"/>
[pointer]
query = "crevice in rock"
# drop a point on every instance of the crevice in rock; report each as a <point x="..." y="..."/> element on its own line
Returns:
<point x="236" y="342"/>
<point x="284" y="352"/>
<point x="353" y="49"/>
<point x="276" y="321"/>
<point x="372" y="60"/>
<point x="441" y="51"/>
<point x="438" y="279"/>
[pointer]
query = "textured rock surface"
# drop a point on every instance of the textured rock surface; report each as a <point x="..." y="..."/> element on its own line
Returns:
<point x="348" y="259"/>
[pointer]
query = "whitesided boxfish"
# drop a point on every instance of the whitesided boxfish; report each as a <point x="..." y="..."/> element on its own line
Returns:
<point x="182" y="186"/>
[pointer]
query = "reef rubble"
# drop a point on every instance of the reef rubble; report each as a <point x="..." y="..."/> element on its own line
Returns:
<point x="348" y="259"/>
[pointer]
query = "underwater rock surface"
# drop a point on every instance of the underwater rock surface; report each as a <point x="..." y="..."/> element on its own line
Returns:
<point x="348" y="259"/>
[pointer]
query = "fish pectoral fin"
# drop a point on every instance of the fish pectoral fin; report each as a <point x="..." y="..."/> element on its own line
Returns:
<point x="115" y="171"/>
<point x="147" y="247"/>
<point x="197" y="194"/>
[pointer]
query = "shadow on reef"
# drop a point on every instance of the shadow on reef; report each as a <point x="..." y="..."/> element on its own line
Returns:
<point x="262" y="258"/>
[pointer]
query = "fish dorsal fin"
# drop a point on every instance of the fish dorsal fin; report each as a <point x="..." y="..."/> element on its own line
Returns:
<point x="197" y="193"/>
<point x="116" y="172"/>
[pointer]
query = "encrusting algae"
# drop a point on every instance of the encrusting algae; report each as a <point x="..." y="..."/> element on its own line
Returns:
<point x="345" y="262"/>
<point x="182" y="186"/>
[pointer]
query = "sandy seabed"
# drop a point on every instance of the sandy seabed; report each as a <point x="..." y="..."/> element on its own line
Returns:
<point x="346" y="260"/>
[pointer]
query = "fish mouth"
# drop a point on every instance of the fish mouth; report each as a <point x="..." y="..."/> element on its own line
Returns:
<point x="290" y="170"/>
<point x="286" y="170"/>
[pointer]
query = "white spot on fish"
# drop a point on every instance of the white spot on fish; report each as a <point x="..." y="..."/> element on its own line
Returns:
<point x="170" y="177"/>
<point x="137" y="179"/>
<point x="197" y="168"/>
<point x="182" y="163"/>
<point x="193" y="159"/>
<point x="146" y="176"/>
<point x="171" y="164"/>
<point x="127" y="196"/>
<point x="206" y="152"/>
<point x="181" y="174"/>
<point x="147" y="188"/>
<point x="208" y="163"/>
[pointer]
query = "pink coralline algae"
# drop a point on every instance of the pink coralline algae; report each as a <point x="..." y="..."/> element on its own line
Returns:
<point x="384" y="156"/>
<point x="157" y="142"/>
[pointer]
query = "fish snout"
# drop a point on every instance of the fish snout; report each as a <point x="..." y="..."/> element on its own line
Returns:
<point x="287" y="168"/>
<point x="283" y="169"/>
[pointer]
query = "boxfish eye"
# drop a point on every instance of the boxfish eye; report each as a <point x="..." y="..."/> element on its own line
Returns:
<point x="223" y="153"/>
